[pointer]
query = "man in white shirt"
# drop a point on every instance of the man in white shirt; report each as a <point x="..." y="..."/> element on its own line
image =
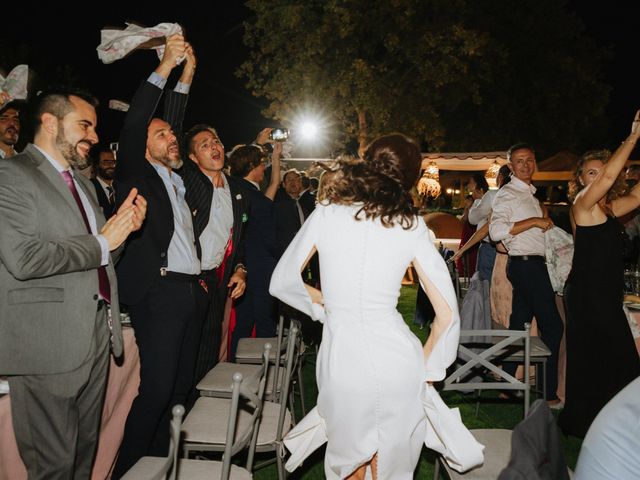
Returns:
<point x="479" y="215"/>
<point x="518" y="222"/>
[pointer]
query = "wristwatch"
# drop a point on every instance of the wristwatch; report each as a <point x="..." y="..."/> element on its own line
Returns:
<point x="241" y="267"/>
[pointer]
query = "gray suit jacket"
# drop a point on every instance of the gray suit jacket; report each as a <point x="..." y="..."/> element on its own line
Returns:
<point x="48" y="270"/>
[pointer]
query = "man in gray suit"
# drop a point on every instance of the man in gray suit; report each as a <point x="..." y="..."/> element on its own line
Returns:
<point x="58" y="292"/>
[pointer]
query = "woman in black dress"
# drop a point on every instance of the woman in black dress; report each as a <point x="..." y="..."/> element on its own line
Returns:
<point x="601" y="354"/>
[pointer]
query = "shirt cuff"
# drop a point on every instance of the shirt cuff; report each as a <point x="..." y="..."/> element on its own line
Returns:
<point x="182" y="87"/>
<point x="157" y="80"/>
<point x="500" y="232"/>
<point x="104" y="249"/>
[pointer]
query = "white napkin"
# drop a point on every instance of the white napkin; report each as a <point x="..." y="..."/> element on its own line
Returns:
<point x="118" y="105"/>
<point x="115" y="44"/>
<point x="16" y="83"/>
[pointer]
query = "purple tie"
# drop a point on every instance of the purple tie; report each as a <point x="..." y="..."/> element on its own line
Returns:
<point x="103" y="280"/>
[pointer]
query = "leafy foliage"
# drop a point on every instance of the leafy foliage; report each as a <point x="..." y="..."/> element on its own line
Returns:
<point x="455" y="74"/>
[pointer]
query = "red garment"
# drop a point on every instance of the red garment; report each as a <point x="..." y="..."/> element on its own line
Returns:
<point x="470" y="257"/>
<point x="226" y="338"/>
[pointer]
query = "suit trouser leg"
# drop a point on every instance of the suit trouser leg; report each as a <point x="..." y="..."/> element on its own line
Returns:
<point x="209" y="348"/>
<point x="184" y="374"/>
<point x="533" y="296"/>
<point x="161" y="322"/>
<point x="56" y="417"/>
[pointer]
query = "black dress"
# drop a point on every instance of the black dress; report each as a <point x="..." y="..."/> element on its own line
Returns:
<point x="601" y="354"/>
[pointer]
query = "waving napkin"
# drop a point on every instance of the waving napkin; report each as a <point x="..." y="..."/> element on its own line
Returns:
<point x="16" y="83"/>
<point x="115" y="44"/>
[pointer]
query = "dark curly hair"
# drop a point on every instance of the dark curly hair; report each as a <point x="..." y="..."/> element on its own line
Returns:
<point x="382" y="181"/>
<point x="575" y="186"/>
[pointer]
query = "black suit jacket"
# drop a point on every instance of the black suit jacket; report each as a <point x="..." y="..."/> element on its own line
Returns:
<point x="200" y="190"/>
<point x="287" y="218"/>
<point x="103" y="200"/>
<point x="146" y="250"/>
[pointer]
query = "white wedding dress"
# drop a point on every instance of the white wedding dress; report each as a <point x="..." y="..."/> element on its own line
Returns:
<point x="371" y="371"/>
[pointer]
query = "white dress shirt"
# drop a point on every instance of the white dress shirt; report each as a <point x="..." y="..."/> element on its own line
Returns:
<point x="182" y="256"/>
<point x="481" y="209"/>
<point x="515" y="202"/>
<point x="215" y="236"/>
<point x="91" y="217"/>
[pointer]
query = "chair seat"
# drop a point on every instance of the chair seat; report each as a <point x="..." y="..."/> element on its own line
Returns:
<point x="207" y="422"/>
<point x="497" y="452"/>
<point x="218" y="382"/>
<point x="538" y="350"/>
<point x="147" y="467"/>
<point x="250" y="350"/>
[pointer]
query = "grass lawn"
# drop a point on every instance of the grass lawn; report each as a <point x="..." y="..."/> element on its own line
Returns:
<point x="493" y="413"/>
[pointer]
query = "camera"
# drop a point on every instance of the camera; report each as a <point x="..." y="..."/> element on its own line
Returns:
<point x="279" y="134"/>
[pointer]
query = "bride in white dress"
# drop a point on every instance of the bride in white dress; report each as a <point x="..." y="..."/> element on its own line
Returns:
<point x="372" y="371"/>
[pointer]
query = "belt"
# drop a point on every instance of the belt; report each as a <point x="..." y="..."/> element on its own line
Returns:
<point x="523" y="258"/>
<point x="179" y="277"/>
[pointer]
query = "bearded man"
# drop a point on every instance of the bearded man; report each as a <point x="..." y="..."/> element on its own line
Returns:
<point x="159" y="270"/>
<point x="58" y="289"/>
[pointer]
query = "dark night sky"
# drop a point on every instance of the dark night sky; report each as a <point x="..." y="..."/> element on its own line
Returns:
<point x="215" y="30"/>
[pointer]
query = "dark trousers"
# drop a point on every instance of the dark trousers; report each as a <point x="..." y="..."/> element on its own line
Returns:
<point x="56" y="418"/>
<point x="167" y="323"/>
<point x="208" y="349"/>
<point x="533" y="296"/>
<point x="256" y="307"/>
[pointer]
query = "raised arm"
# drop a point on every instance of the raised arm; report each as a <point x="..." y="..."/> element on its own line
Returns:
<point x="133" y="137"/>
<point x="175" y="103"/>
<point x="274" y="183"/>
<point x="594" y="192"/>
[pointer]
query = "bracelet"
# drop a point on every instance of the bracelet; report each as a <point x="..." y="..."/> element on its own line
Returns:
<point x="240" y="267"/>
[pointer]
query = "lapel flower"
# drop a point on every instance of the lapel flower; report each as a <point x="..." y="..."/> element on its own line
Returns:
<point x="238" y="197"/>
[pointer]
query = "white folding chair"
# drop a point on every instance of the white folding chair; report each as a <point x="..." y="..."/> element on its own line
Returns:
<point x="204" y="426"/>
<point x="478" y="356"/>
<point x="172" y="468"/>
<point x="524" y="452"/>
<point x="202" y="433"/>
<point x="216" y="382"/>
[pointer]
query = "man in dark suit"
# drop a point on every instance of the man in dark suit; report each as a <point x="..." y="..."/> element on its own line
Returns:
<point x="105" y="168"/>
<point x="58" y="289"/>
<point x="257" y="307"/>
<point x="289" y="210"/>
<point x="220" y="212"/>
<point x="159" y="269"/>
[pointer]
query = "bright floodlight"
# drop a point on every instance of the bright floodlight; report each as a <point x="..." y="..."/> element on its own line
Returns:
<point x="308" y="130"/>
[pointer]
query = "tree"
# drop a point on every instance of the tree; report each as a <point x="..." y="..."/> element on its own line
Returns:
<point x="454" y="74"/>
<point x="372" y="66"/>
